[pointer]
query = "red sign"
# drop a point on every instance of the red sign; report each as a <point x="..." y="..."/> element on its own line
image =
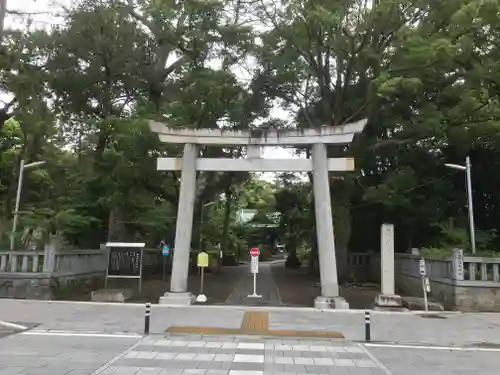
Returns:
<point x="255" y="252"/>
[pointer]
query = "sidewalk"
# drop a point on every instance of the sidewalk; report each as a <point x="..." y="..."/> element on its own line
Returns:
<point x="452" y="329"/>
<point x="72" y="354"/>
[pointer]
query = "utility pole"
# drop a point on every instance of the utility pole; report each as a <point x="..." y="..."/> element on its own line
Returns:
<point x="467" y="169"/>
<point x="3" y="12"/>
<point x="469" y="205"/>
<point x="22" y="167"/>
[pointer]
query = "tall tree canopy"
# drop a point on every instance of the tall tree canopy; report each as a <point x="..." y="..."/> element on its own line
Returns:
<point x="424" y="74"/>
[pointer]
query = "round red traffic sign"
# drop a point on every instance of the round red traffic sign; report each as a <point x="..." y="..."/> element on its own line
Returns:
<point x="255" y="252"/>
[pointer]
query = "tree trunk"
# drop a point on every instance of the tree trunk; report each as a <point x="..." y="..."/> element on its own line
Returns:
<point x="313" y="256"/>
<point x="116" y="226"/>
<point x="225" y="225"/>
<point x="228" y="192"/>
<point x="341" y="207"/>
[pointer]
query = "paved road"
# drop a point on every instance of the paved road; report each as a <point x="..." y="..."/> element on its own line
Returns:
<point x="5" y="331"/>
<point x="58" y="355"/>
<point x="266" y="287"/>
<point x="76" y="354"/>
<point x="454" y="329"/>
<point x="437" y="362"/>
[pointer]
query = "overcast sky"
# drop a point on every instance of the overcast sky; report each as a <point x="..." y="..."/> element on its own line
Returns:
<point x="52" y="7"/>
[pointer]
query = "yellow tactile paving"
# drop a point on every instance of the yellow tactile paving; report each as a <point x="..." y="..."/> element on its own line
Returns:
<point x="255" y="323"/>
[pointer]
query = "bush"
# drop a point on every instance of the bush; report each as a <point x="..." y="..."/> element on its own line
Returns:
<point x="230" y="260"/>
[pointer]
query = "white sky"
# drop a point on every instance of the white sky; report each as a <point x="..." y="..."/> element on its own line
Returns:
<point x="45" y="20"/>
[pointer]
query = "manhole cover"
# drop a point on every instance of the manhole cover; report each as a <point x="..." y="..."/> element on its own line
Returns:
<point x="433" y="316"/>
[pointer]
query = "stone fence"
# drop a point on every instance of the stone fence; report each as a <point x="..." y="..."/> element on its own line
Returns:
<point x="49" y="273"/>
<point x="360" y="267"/>
<point x="52" y="273"/>
<point x="462" y="283"/>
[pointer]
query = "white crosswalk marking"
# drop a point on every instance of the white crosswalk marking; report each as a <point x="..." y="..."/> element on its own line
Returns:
<point x="231" y="356"/>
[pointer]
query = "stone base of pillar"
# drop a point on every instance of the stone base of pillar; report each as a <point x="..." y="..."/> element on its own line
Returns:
<point x="389" y="302"/>
<point x="179" y="299"/>
<point x="325" y="303"/>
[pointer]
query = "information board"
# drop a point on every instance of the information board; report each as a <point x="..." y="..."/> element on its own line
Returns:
<point x="202" y="260"/>
<point x="125" y="261"/>
<point x="422" y="267"/>
<point x="165" y="250"/>
<point x="254" y="265"/>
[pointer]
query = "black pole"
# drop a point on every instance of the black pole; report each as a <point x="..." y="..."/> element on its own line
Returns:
<point x="147" y="318"/>
<point x="367" y="326"/>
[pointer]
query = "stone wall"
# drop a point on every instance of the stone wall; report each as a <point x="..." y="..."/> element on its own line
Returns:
<point x="484" y="297"/>
<point x="58" y="274"/>
<point x="459" y="295"/>
<point x="51" y="273"/>
<point x="43" y="286"/>
<point x="28" y="286"/>
<point x="450" y="285"/>
<point x="441" y="290"/>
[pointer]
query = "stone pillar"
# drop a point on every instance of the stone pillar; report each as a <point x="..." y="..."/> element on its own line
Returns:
<point x="49" y="255"/>
<point x="388" y="298"/>
<point x="324" y="231"/>
<point x="457" y="262"/>
<point x="178" y="294"/>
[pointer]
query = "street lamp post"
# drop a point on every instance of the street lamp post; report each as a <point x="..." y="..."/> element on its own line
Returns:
<point x="467" y="170"/>
<point x="22" y="167"/>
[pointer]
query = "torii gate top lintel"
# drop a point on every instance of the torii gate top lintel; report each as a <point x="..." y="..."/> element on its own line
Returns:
<point x="272" y="137"/>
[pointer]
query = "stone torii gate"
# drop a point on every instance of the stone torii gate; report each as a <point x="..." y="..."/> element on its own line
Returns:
<point x="254" y="140"/>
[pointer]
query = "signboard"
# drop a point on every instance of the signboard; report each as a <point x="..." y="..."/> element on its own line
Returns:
<point x="202" y="260"/>
<point x="125" y="261"/>
<point x="422" y="268"/>
<point x="254" y="269"/>
<point x="202" y="263"/>
<point x="254" y="252"/>
<point x="165" y="250"/>
<point x="254" y="264"/>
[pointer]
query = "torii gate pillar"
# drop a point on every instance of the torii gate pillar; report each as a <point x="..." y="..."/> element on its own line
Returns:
<point x="325" y="233"/>
<point x="320" y="165"/>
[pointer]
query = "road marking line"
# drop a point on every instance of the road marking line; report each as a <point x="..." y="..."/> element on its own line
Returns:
<point x="430" y="347"/>
<point x="82" y="334"/>
<point x="12" y="325"/>
<point x="118" y="357"/>
<point x="239" y="308"/>
<point x="334" y="347"/>
<point x="375" y="359"/>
